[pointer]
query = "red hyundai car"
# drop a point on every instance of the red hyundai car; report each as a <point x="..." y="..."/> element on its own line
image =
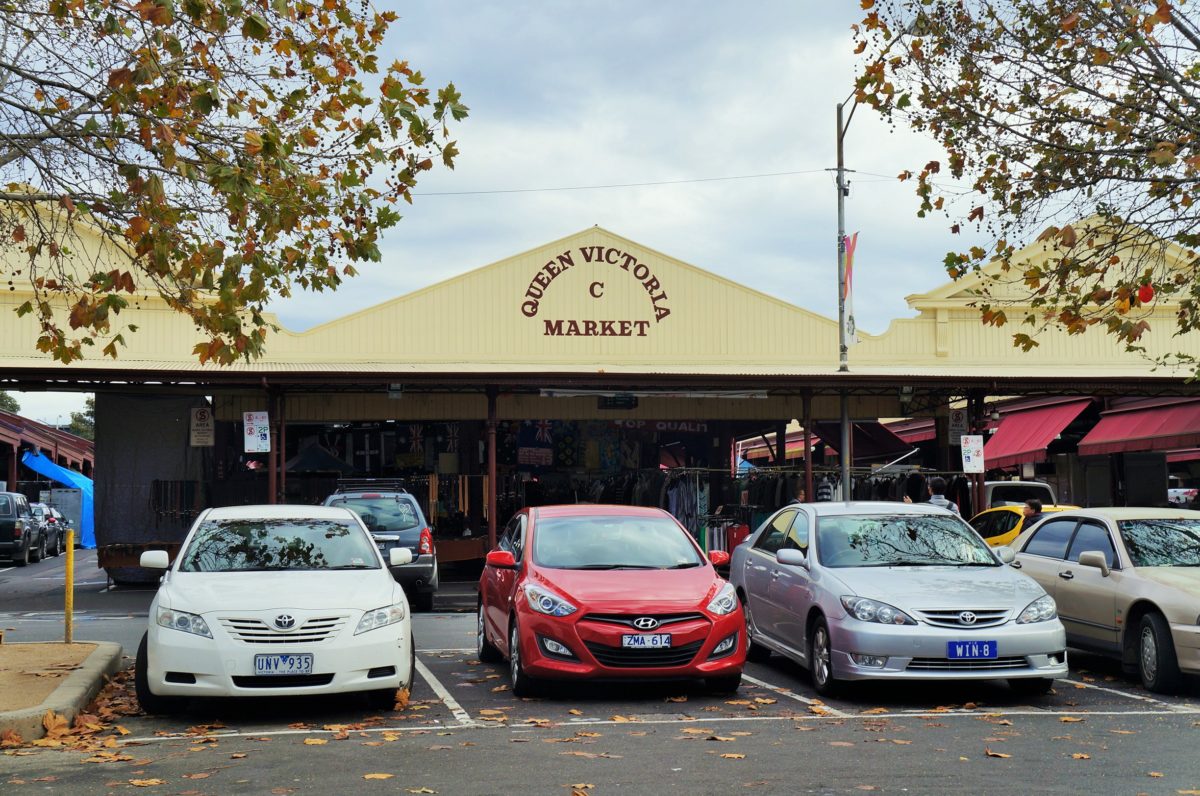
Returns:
<point x="607" y="592"/>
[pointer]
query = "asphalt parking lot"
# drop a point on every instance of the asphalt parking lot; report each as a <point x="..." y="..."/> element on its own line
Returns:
<point x="462" y="731"/>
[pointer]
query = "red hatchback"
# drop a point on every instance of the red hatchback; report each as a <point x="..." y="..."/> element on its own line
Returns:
<point x="607" y="592"/>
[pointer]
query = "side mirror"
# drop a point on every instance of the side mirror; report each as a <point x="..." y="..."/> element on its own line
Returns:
<point x="154" y="559"/>
<point x="1006" y="553"/>
<point x="1094" y="558"/>
<point x="399" y="556"/>
<point x="791" y="557"/>
<point x="719" y="558"/>
<point x="500" y="559"/>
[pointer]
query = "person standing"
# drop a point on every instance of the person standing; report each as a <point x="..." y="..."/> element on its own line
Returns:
<point x="1032" y="511"/>
<point x="937" y="494"/>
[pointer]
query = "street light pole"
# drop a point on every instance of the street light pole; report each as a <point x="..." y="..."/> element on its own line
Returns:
<point x="843" y="353"/>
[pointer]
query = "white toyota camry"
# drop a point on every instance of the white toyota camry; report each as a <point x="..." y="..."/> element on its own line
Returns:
<point x="275" y="600"/>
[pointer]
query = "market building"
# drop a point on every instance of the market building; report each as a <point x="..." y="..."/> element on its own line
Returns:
<point x="588" y="368"/>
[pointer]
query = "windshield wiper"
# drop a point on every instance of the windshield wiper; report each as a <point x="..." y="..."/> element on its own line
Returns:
<point x="615" y="566"/>
<point x="687" y="565"/>
<point x="352" y="566"/>
<point x="903" y="564"/>
<point x="976" y="564"/>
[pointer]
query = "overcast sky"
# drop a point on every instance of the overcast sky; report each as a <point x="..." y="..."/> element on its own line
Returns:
<point x="594" y="93"/>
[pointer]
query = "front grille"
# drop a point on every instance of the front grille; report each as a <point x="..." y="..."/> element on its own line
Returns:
<point x="628" y="619"/>
<point x="255" y="631"/>
<point x="621" y="658"/>
<point x="952" y="664"/>
<point x="984" y="617"/>
<point x="282" y="681"/>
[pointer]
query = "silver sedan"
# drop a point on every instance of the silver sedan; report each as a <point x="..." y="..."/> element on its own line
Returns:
<point x="862" y="591"/>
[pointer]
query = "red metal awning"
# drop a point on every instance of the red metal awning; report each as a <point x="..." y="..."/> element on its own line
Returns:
<point x="1149" y="428"/>
<point x="920" y="429"/>
<point x="1185" y="455"/>
<point x="870" y="441"/>
<point x="1023" y="436"/>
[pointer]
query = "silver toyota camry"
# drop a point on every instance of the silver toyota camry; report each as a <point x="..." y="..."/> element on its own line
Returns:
<point x="863" y="591"/>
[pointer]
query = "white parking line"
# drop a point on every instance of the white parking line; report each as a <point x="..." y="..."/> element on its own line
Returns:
<point x="778" y="689"/>
<point x="449" y="701"/>
<point x="448" y="649"/>
<point x="1126" y="694"/>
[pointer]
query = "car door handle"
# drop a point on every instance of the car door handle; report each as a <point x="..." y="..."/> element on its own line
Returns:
<point x="776" y="573"/>
<point x="1068" y="575"/>
<point x="1015" y="565"/>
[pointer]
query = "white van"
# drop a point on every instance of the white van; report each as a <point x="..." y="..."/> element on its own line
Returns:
<point x="1015" y="493"/>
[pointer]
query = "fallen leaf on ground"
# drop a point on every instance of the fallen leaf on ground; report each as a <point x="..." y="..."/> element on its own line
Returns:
<point x="421" y="790"/>
<point x="586" y="734"/>
<point x="1081" y="756"/>
<point x="378" y="776"/>
<point x="1155" y="774"/>
<point x="200" y="775"/>
<point x="490" y="712"/>
<point x="499" y="688"/>
<point x="865" y="787"/>
<point x="818" y="710"/>
<point x="840" y="743"/>
<point x="873" y="712"/>
<point x="315" y="741"/>
<point x="621" y="719"/>
<point x="723" y="738"/>
<point x="990" y="753"/>
<point x="677" y="699"/>
<point x="765" y="700"/>
<point x="741" y="734"/>
<point x="575" y="712"/>
<point x="10" y="739"/>
<point x="696" y="731"/>
<point x="582" y="786"/>
<point x="146" y="783"/>
<point x="402" y="699"/>
<point x="1123" y="732"/>
<point x="733" y="756"/>
<point x="237" y="756"/>
<point x="1069" y="719"/>
<point x="737" y="702"/>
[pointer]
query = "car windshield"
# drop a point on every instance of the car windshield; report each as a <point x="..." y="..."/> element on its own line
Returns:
<point x="613" y="542"/>
<point x="38" y="511"/>
<point x="381" y="514"/>
<point x="1017" y="494"/>
<point x="1162" y="543"/>
<point x="899" y="540"/>
<point x="256" y="545"/>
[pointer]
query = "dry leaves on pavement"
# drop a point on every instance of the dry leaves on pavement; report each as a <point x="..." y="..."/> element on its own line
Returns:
<point x="990" y="753"/>
<point x="315" y="741"/>
<point x="378" y="776"/>
<point x="1081" y="756"/>
<point x="147" y="783"/>
<point x="733" y="756"/>
<point x="1069" y="719"/>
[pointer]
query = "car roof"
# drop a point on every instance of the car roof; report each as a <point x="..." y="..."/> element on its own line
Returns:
<point x="833" y="509"/>
<point x="370" y="493"/>
<point x="278" y="512"/>
<point x="1016" y="509"/>
<point x="1138" y="513"/>
<point x="596" y="509"/>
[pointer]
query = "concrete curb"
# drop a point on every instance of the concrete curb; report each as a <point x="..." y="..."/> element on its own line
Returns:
<point x="71" y="695"/>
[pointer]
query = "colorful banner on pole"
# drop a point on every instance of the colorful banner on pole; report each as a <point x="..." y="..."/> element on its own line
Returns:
<point x="851" y="241"/>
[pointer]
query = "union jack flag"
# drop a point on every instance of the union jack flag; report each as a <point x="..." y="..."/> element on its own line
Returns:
<point x="452" y="438"/>
<point x="417" y="435"/>
<point x="543" y="432"/>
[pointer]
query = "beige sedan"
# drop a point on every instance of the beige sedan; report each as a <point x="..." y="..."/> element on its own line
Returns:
<point x="1127" y="584"/>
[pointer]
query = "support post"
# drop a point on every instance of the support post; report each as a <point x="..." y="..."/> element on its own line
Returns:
<point x="809" y="496"/>
<point x="283" y="448"/>
<point x="844" y="449"/>
<point x="273" y="453"/>
<point x="491" y="467"/>
<point x="69" y="601"/>
<point x="12" y="467"/>
<point x="781" y="444"/>
<point x="843" y="358"/>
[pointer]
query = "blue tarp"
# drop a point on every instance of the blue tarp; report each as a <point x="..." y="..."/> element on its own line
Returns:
<point x="73" y="480"/>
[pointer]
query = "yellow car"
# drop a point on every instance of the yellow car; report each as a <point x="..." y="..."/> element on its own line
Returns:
<point x="1002" y="525"/>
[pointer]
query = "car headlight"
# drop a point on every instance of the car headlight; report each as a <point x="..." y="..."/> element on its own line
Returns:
<point x="725" y="602"/>
<point x="874" y="611"/>
<point x="380" y="617"/>
<point x="547" y="602"/>
<point x="182" y="620"/>
<point x="1040" y="610"/>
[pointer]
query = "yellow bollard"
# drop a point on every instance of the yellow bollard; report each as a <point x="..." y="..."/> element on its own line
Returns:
<point x="70" y="604"/>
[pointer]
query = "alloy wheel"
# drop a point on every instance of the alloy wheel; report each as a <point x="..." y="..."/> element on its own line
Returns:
<point x="514" y="654"/>
<point x="821" y="664"/>
<point x="480" y="635"/>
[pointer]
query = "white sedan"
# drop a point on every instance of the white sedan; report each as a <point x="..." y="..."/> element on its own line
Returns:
<point x="278" y="601"/>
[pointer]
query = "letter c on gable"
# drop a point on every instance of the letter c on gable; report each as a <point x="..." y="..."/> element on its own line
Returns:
<point x="596" y="289"/>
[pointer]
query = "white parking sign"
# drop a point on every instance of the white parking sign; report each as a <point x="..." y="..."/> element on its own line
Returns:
<point x="972" y="453"/>
<point x="257" y="436"/>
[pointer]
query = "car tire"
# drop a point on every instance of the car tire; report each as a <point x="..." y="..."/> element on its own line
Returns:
<point x="1031" y="686"/>
<point x="820" y="659"/>
<point x="423" y="601"/>
<point x="755" y="653"/>
<point x="56" y="549"/>
<point x="1157" y="665"/>
<point x="149" y="701"/>
<point x="522" y="684"/>
<point x="38" y="553"/>
<point x="484" y="649"/>
<point x="21" y="559"/>
<point x="724" y="685"/>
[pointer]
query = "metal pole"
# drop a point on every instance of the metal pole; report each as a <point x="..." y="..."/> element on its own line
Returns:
<point x="843" y="359"/>
<point x="69" y="606"/>
<point x="491" y="465"/>
<point x="809" y="495"/>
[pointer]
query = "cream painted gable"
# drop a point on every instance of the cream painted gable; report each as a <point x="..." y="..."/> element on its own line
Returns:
<point x="590" y="299"/>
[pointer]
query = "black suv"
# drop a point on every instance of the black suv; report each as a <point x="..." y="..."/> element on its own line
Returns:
<point x="394" y="518"/>
<point x="22" y="538"/>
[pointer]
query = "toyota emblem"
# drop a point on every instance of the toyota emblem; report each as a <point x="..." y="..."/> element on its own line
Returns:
<point x="645" y="623"/>
<point x="285" y="621"/>
<point x="967" y="618"/>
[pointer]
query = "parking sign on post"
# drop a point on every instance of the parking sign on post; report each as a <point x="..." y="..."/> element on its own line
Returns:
<point x="257" y="432"/>
<point x="972" y="453"/>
